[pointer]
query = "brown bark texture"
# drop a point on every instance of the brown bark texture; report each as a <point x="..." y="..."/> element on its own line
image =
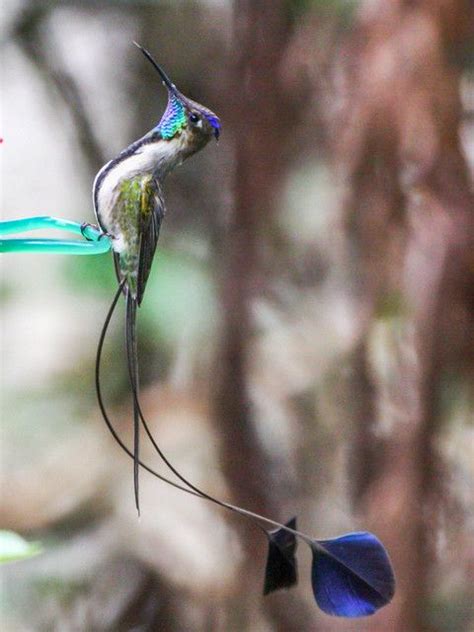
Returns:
<point x="410" y="220"/>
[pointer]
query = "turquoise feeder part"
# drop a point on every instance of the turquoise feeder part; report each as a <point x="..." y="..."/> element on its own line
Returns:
<point x="94" y="242"/>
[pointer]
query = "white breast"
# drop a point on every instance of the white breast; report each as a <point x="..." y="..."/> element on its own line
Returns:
<point x="142" y="162"/>
<point x="157" y="158"/>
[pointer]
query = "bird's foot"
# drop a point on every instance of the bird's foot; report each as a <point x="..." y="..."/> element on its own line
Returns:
<point x="104" y="234"/>
<point x="85" y="226"/>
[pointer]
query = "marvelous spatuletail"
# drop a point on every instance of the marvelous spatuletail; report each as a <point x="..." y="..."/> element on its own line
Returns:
<point x="351" y="575"/>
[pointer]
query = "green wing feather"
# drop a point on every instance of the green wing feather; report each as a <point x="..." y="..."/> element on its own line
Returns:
<point x="152" y="212"/>
<point x="141" y="209"/>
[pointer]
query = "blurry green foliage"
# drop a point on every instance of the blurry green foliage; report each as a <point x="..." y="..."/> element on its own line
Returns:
<point x="26" y="436"/>
<point x="390" y="305"/>
<point x="90" y="274"/>
<point x="451" y="612"/>
<point x="180" y="307"/>
<point x="180" y="298"/>
<point x="343" y="8"/>
<point x="456" y="398"/>
<point x="59" y="589"/>
<point x="13" y="547"/>
<point x="7" y="291"/>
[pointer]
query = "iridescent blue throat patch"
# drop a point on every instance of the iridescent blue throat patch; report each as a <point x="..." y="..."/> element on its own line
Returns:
<point x="173" y="119"/>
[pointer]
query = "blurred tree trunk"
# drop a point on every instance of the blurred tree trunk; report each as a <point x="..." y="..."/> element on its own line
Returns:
<point x="258" y="120"/>
<point x="410" y="215"/>
<point x="29" y="31"/>
<point x="262" y="120"/>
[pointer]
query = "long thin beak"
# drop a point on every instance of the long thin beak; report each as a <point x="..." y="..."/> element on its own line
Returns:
<point x="164" y="77"/>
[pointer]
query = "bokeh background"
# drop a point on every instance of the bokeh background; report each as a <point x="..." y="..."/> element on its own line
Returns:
<point x="306" y="338"/>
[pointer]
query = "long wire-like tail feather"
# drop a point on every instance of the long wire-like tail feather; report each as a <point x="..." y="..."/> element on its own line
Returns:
<point x="199" y="494"/>
<point x="374" y="577"/>
<point x="132" y="361"/>
<point x="100" y="400"/>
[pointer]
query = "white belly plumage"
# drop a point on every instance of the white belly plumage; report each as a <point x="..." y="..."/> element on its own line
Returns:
<point x="149" y="158"/>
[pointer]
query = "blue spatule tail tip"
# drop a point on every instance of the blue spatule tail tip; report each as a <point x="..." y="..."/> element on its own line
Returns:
<point x="351" y="575"/>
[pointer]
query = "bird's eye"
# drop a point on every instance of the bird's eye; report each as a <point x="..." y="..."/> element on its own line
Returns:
<point x="194" y="118"/>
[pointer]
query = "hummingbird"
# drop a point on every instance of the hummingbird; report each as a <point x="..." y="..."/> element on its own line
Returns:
<point x="129" y="205"/>
<point x="351" y="575"/>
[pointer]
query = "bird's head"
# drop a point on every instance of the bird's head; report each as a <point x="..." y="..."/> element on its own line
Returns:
<point x="194" y="124"/>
